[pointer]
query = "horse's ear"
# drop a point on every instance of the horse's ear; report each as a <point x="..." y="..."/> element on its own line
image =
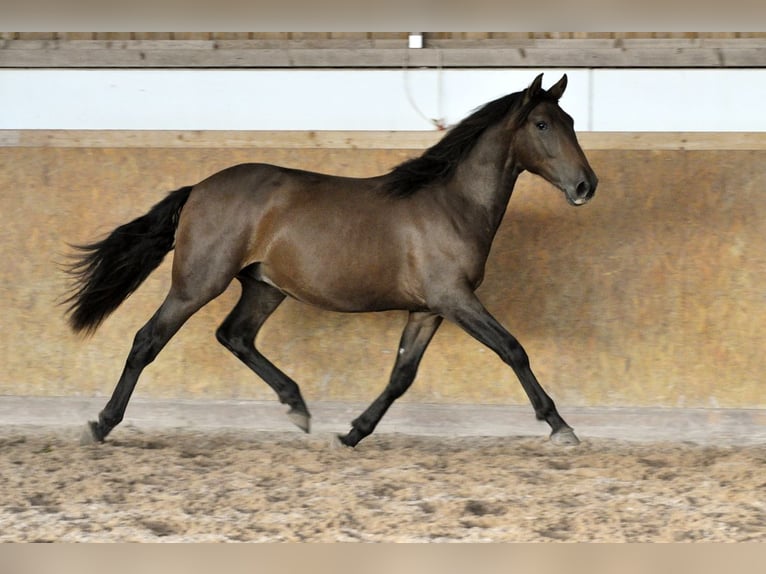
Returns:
<point x="557" y="90"/>
<point x="533" y="89"/>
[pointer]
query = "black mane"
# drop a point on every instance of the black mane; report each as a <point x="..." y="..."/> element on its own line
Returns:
<point x="439" y="161"/>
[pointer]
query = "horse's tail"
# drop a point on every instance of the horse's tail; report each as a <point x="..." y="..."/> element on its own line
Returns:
<point x="106" y="272"/>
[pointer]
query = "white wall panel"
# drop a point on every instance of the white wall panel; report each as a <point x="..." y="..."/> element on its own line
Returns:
<point x="599" y="100"/>
<point x="679" y="100"/>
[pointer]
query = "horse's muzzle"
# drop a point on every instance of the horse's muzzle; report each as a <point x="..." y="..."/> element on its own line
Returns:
<point x="582" y="192"/>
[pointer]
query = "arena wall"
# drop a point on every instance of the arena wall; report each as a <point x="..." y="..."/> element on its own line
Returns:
<point x="652" y="295"/>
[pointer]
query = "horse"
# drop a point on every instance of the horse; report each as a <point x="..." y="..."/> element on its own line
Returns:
<point x="414" y="239"/>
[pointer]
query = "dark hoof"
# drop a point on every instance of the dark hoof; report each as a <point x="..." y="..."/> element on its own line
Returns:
<point x="565" y="437"/>
<point x="340" y="441"/>
<point x="300" y="419"/>
<point x="90" y="434"/>
<point x="348" y="440"/>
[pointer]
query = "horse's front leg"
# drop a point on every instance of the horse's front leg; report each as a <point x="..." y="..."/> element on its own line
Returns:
<point x="418" y="332"/>
<point x="468" y="312"/>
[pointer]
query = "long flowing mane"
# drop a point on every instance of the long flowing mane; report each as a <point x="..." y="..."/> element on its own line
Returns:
<point x="439" y="161"/>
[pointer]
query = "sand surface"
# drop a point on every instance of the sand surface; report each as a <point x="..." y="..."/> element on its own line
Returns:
<point x="202" y="485"/>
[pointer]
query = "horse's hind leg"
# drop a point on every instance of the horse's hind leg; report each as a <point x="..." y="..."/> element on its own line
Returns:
<point x="417" y="334"/>
<point x="237" y="333"/>
<point x="147" y="344"/>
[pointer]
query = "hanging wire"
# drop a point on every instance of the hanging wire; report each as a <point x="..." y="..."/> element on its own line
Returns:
<point x="440" y="121"/>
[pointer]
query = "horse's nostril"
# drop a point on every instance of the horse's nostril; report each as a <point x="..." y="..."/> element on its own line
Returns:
<point x="582" y="192"/>
<point x="583" y="189"/>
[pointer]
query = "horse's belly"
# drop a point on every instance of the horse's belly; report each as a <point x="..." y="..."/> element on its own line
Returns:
<point x="344" y="288"/>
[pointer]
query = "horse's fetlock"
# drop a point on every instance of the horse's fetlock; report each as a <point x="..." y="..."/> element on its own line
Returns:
<point x="109" y="421"/>
<point x="362" y="426"/>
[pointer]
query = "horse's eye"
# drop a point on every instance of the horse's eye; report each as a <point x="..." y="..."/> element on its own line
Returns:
<point x="542" y="126"/>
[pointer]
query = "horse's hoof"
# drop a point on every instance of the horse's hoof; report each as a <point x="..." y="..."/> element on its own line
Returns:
<point x="88" y="434"/>
<point x="300" y="419"/>
<point x="565" y="437"/>
<point x="337" y="443"/>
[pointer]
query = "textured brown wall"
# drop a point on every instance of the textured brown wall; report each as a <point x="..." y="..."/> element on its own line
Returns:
<point x="654" y="294"/>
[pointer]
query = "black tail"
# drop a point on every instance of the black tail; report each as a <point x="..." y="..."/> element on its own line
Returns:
<point x="108" y="271"/>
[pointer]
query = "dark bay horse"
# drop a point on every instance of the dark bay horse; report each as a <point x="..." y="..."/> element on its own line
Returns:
<point x="415" y="239"/>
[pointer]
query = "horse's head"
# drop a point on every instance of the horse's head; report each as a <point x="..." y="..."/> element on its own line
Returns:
<point x="545" y="143"/>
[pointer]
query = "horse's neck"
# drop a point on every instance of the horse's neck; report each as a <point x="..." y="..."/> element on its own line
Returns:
<point x="486" y="178"/>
